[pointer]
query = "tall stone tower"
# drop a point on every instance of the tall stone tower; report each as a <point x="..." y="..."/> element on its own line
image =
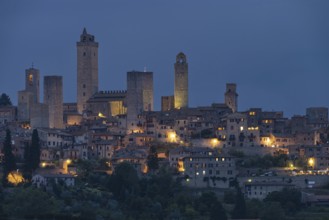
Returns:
<point x="53" y="97"/>
<point x="30" y="96"/>
<point x="32" y="80"/>
<point x="231" y="97"/>
<point x="87" y="69"/>
<point x="181" y="81"/>
<point x="139" y="96"/>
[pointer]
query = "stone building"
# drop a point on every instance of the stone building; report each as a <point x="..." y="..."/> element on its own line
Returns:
<point x="40" y="116"/>
<point x="317" y="117"/>
<point x="32" y="83"/>
<point x="234" y="131"/>
<point x="28" y="97"/>
<point x="70" y="114"/>
<point x="231" y="97"/>
<point x="139" y="96"/>
<point x="208" y="170"/>
<point x="53" y="97"/>
<point x="87" y="69"/>
<point x="25" y="101"/>
<point x="167" y="103"/>
<point x="7" y="114"/>
<point x="259" y="190"/>
<point x="108" y="103"/>
<point x="181" y="81"/>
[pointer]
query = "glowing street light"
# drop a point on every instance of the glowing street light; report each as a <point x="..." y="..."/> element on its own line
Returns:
<point x="214" y="142"/>
<point x="311" y="162"/>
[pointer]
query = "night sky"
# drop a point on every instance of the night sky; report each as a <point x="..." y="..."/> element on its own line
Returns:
<point x="277" y="51"/>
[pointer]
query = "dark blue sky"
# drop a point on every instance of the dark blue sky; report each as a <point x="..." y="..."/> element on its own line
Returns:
<point x="277" y="51"/>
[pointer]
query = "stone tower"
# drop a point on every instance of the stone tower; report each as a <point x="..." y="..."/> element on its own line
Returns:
<point x="32" y="80"/>
<point x="30" y="96"/>
<point x="87" y="69"/>
<point x="231" y="97"/>
<point x="139" y="96"/>
<point x="53" y="97"/>
<point x="181" y="81"/>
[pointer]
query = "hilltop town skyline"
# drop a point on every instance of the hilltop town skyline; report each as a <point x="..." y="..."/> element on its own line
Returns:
<point x="174" y="110"/>
<point x="272" y="65"/>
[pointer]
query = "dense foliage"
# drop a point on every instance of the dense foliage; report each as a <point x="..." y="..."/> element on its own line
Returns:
<point x="9" y="163"/>
<point x="5" y="100"/>
<point x="122" y="195"/>
<point x="127" y="195"/>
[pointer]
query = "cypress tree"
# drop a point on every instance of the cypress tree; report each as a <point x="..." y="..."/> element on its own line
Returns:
<point x="5" y="100"/>
<point x="9" y="163"/>
<point x="152" y="159"/>
<point x="27" y="164"/>
<point x="239" y="211"/>
<point x="35" y="151"/>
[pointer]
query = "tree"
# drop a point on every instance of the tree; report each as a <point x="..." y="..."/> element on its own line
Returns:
<point x="124" y="182"/>
<point x="29" y="202"/>
<point x="9" y="163"/>
<point x="35" y="150"/>
<point x="152" y="159"/>
<point x="272" y="211"/>
<point x="254" y="208"/>
<point x="27" y="162"/>
<point x="5" y="100"/>
<point x="239" y="211"/>
<point x="290" y="199"/>
<point x="208" y="204"/>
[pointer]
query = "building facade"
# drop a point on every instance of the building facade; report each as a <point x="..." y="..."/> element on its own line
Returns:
<point x="167" y="103"/>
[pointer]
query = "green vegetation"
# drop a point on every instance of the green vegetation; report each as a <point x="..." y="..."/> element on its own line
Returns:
<point x="125" y="195"/>
<point x="239" y="211"/>
<point x="264" y="162"/>
<point x="152" y="159"/>
<point x="5" y="100"/>
<point x="9" y="163"/>
<point x="122" y="195"/>
<point x="32" y="155"/>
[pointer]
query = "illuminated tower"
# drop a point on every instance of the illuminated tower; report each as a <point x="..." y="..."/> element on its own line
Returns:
<point x="87" y="69"/>
<point x="53" y="97"/>
<point x="32" y="78"/>
<point x="181" y="81"/>
<point x="231" y="97"/>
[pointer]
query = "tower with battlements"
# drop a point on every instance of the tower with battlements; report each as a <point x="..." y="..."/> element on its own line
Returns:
<point x="87" y="69"/>
<point x="181" y="81"/>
